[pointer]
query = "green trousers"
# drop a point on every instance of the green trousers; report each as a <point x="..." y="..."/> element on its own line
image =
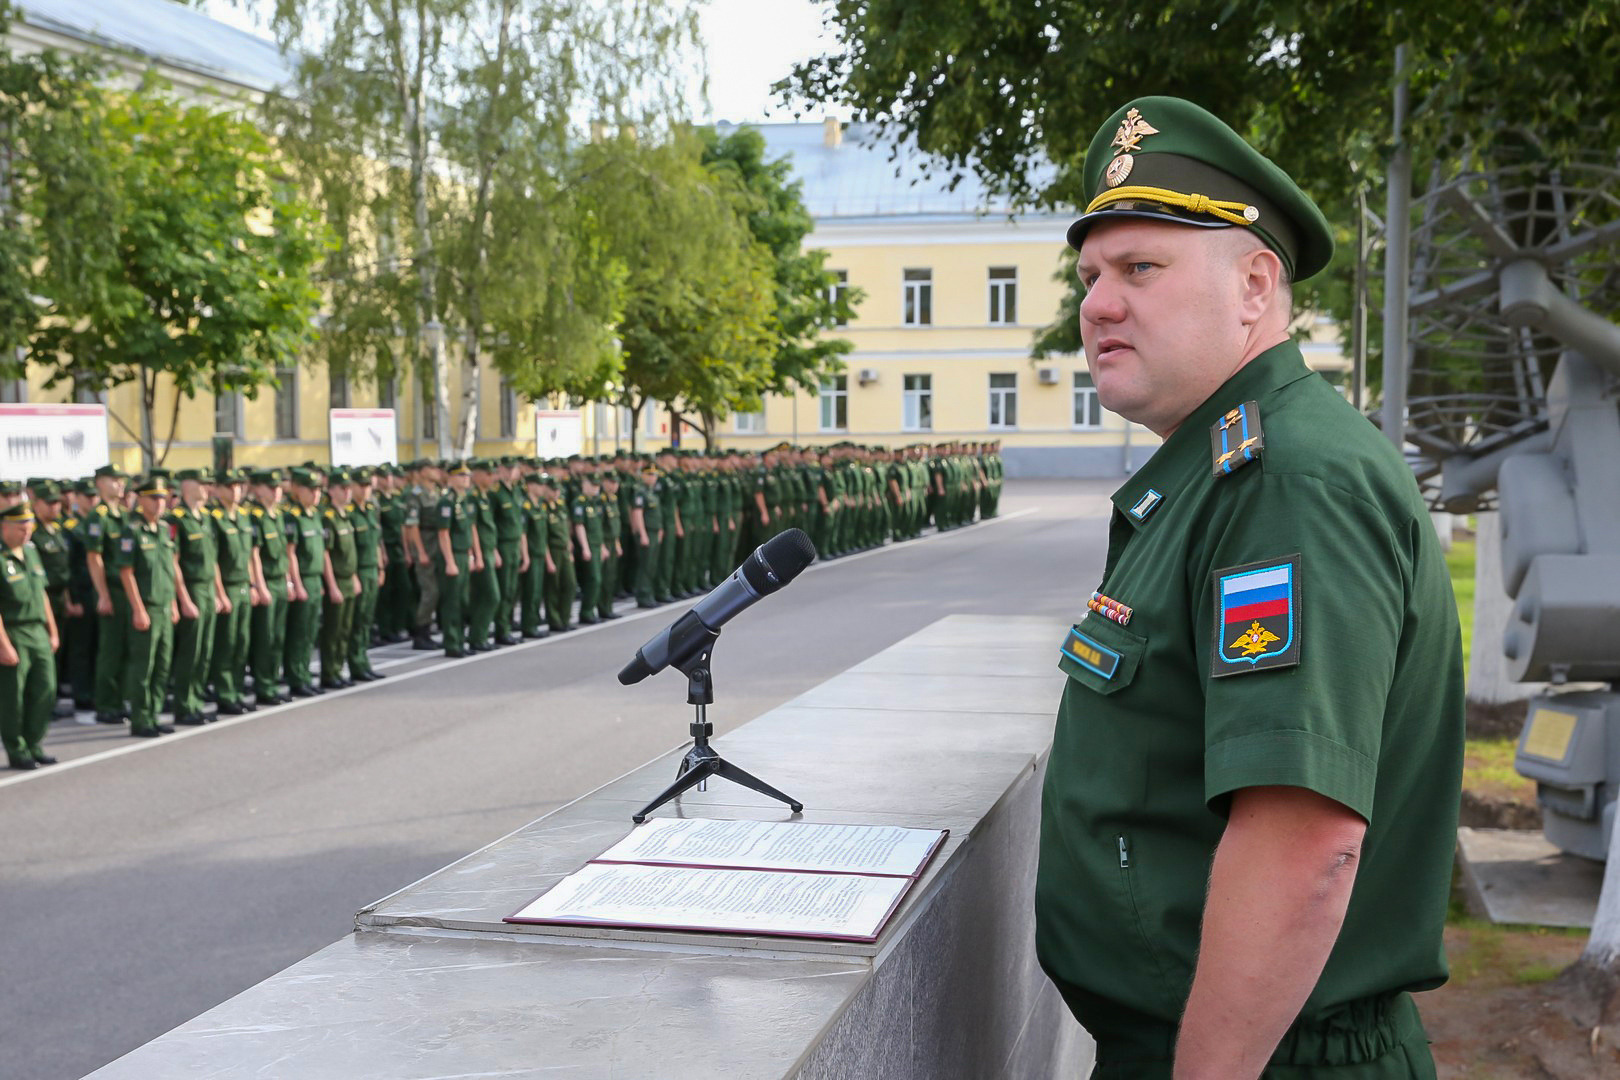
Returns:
<point x="560" y="589"/>
<point x="112" y="648"/>
<point x="396" y="606"/>
<point x="194" y="649"/>
<point x="365" y="616"/>
<point x="268" y="633"/>
<point x="452" y="590"/>
<point x="303" y="627"/>
<point x="483" y="597"/>
<point x="427" y="593"/>
<point x="27" y="691"/>
<point x="647" y="556"/>
<point x="507" y="577"/>
<point x="608" y="585"/>
<point x="722" y="557"/>
<point x="228" y="666"/>
<point x="532" y="587"/>
<point x="337" y="619"/>
<point x="79" y="643"/>
<point x="588" y="572"/>
<point x="146" y="668"/>
<point x="664" y="580"/>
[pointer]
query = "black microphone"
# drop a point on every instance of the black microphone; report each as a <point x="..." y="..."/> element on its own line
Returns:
<point x="772" y="565"/>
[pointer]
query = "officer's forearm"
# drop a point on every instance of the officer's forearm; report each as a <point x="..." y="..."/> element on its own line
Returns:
<point x="98" y="573"/>
<point x="126" y="578"/>
<point x="445" y="551"/>
<point x="1278" y="889"/>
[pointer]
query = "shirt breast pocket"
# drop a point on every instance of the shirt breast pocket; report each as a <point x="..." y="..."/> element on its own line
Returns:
<point x="1101" y="655"/>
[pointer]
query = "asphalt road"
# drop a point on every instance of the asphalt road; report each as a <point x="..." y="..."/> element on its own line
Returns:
<point x="147" y="880"/>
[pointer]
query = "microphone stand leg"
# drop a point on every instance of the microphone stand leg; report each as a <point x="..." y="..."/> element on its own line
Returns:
<point x="727" y="771"/>
<point x="691" y="776"/>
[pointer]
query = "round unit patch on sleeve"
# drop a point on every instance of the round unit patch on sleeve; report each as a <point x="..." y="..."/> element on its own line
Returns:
<point x="1256" y="617"/>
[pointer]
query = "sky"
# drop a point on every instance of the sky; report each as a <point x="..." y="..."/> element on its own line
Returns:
<point x="750" y="43"/>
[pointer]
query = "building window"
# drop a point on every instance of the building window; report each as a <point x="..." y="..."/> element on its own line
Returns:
<point x="1087" y="409"/>
<point x="1004" y="295"/>
<point x="337" y="395"/>
<point x="919" y="403"/>
<point x="652" y="416"/>
<point x="509" y="406"/>
<point x="287" y="403"/>
<point x="1004" y="401"/>
<point x="919" y="297"/>
<point x="228" y="413"/>
<point x="387" y="392"/>
<point x="749" y="423"/>
<point x="835" y="403"/>
<point x="838" y="295"/>
<point x="430" y="415"/>
<point x="13" y="391"/>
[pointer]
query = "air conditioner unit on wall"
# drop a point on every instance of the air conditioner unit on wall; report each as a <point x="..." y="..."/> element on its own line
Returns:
<point x="1049" y="376"/>
<point x="868" y="375"/>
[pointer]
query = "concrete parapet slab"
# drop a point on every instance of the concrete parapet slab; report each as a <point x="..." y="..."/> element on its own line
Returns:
<point x="1516" y="876"/>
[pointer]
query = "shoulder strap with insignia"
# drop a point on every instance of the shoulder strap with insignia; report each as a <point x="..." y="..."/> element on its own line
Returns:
<point x="1236" y="439"/>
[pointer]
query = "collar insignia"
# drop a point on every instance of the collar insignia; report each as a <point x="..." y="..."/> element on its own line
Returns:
<point x="1132" y="130"/>
<point x="1146" y="505"/>
<point x="1236" y="439"/>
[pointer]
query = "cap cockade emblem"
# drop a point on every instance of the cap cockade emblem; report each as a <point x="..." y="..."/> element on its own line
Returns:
<point x="1132" y="130"/>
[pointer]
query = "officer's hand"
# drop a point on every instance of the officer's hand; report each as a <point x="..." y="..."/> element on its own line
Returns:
<point x="451" y="569"/>
<point x="335" y="595"/>
<point x="103" y="604"/>
<point x="354" y="583"/>
<point x="497" y="560"/>
<point x="717" y="526"/>
<point x="606" y="554"/>
<point x="141" y="620"/>
<point x="765" y="517"/>
<point x="189" y="609"/>
<point x="299" y="592"/>
<point x="618" y="548"/>
<point x="222" y="606"/>
<point x="75" y="610"/>
<point x="680" y="532"/>
<point x="174" y="613"/>
<point x="523" y="567"/>
<point x="260" y="597"/>
<point x="56" y="642"/>
<point x="424" y="560"/>
<point x="382" y="575"/>
<point x="8" y="655"/>
<point x="551" y="567"/>
<point x="478" y="563"/>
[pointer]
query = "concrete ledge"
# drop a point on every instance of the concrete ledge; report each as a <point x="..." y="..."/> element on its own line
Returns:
<point x="947" y="729"/>
<point x="1516" y="876"/>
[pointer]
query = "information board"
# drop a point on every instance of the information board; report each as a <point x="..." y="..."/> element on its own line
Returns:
<point x="61" y="442"/>
<point x="363" y="437"/>
<point x="559" y="433"/>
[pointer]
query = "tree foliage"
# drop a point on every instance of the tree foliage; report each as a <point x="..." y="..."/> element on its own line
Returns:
<point x="1000" y="88"/>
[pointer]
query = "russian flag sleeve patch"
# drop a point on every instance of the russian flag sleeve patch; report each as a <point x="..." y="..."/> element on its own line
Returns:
<point x="1257" y="624"/>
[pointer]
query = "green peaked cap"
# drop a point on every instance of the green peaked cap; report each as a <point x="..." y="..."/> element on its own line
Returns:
<point x="1168" y="159"/>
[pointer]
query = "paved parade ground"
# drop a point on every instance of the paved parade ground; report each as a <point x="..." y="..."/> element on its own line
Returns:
<point x="148" y="880"/>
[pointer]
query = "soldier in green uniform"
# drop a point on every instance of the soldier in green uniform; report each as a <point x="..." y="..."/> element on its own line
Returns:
<point x="728" y="506"/>
<point x="484" y="588"/>
<point x="50" y="539"/>
<point x="613" y="548"/>
<point x="396" y="605"/>
<point x="646" y="532"/>
<point x="28" y="640"/>
<point x="306" y="546"/>
<point x="370" y="568"/>
<point x="561" y="584"/>
<point x="590" y="550"/>
<point x="276" y="584"/>
<point x="79" y="630"/>
<point x="149" y="572"/>
<point x="459" y="555"/>
<point x="341" y="580"/>
<point x="670" y="484"/>
<point x="197" y="547"/>
<point x="538" y="567"/>
<point x="422" y="545"/>
<point x="1251" y="803"/>
<point x="233" y="532"/>
<point x="504" y="498"/>
<point x="101" y="531"/>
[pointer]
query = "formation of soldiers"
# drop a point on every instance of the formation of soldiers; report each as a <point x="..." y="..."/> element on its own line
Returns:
<point x="139" y="599"/>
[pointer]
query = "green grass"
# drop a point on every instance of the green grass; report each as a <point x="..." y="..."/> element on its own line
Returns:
<point x="1460" y="560"/>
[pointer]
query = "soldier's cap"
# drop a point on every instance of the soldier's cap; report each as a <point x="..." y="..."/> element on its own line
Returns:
<point x="157" y="484"/>
<point x="458" y="468"/>
<point x="268" y="477"/>
<point x="19" y="514"/>
<point x="200" y="475"/>
<point x="85" y="486"/>
<point x="362" y="475"/>
<point x="231" y="476"/>
<point x="1167" y="159"/>
<point x="45" y="490"/>
<point x="10" y="487"/>
<point x="305" y="476"/>
<point x="113" y="471"/>
<point x="537" y="478"/>
<point x="479" y="464"/>
<point x="339" y="476"/>
<point x="158" y="470"/>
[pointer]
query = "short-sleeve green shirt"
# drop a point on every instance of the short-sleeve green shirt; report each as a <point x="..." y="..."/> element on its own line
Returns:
<point x="234" y="530"/>
<point x="149" y="550"/>
<point x="22" y="587"/>
<point x="1358" y="696"/>
<point x="197" y="542"/>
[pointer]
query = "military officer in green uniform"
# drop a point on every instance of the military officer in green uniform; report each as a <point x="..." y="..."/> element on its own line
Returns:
<point x="614" y="549"/>
<point x="589" y="548"/>
<point x="1251" y="803"/>
<point x="646" y="532"/>
<point x="539" y="567"/>
<point x="459" y="555"/>
<point x="340" y="580"/>
<point x="149" y="572"/>
<point x="422" y="545"/>
<point x="28" y="640"/>
<point x="51" y="540"/>
<point x="101" y="531"/>
<point x="233" y="531"/>
<point x="562" y="583"/>
<point x="306" y="546"/>
<point x="276" y="583"/>
<point x="370" y="568"/>
<point x="670" y="484"/>
<point x="504" y="499"/>
<point x="197" y="546"/>
<point x="395" y="603"/>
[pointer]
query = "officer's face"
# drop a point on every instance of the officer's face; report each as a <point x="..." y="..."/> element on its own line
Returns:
<point x="152" y="506"/>
<point x="1162" y="319"/>
<point x="14" y="534"/>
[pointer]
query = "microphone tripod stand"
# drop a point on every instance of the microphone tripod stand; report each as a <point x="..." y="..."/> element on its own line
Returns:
<point x="701" y="761"/>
